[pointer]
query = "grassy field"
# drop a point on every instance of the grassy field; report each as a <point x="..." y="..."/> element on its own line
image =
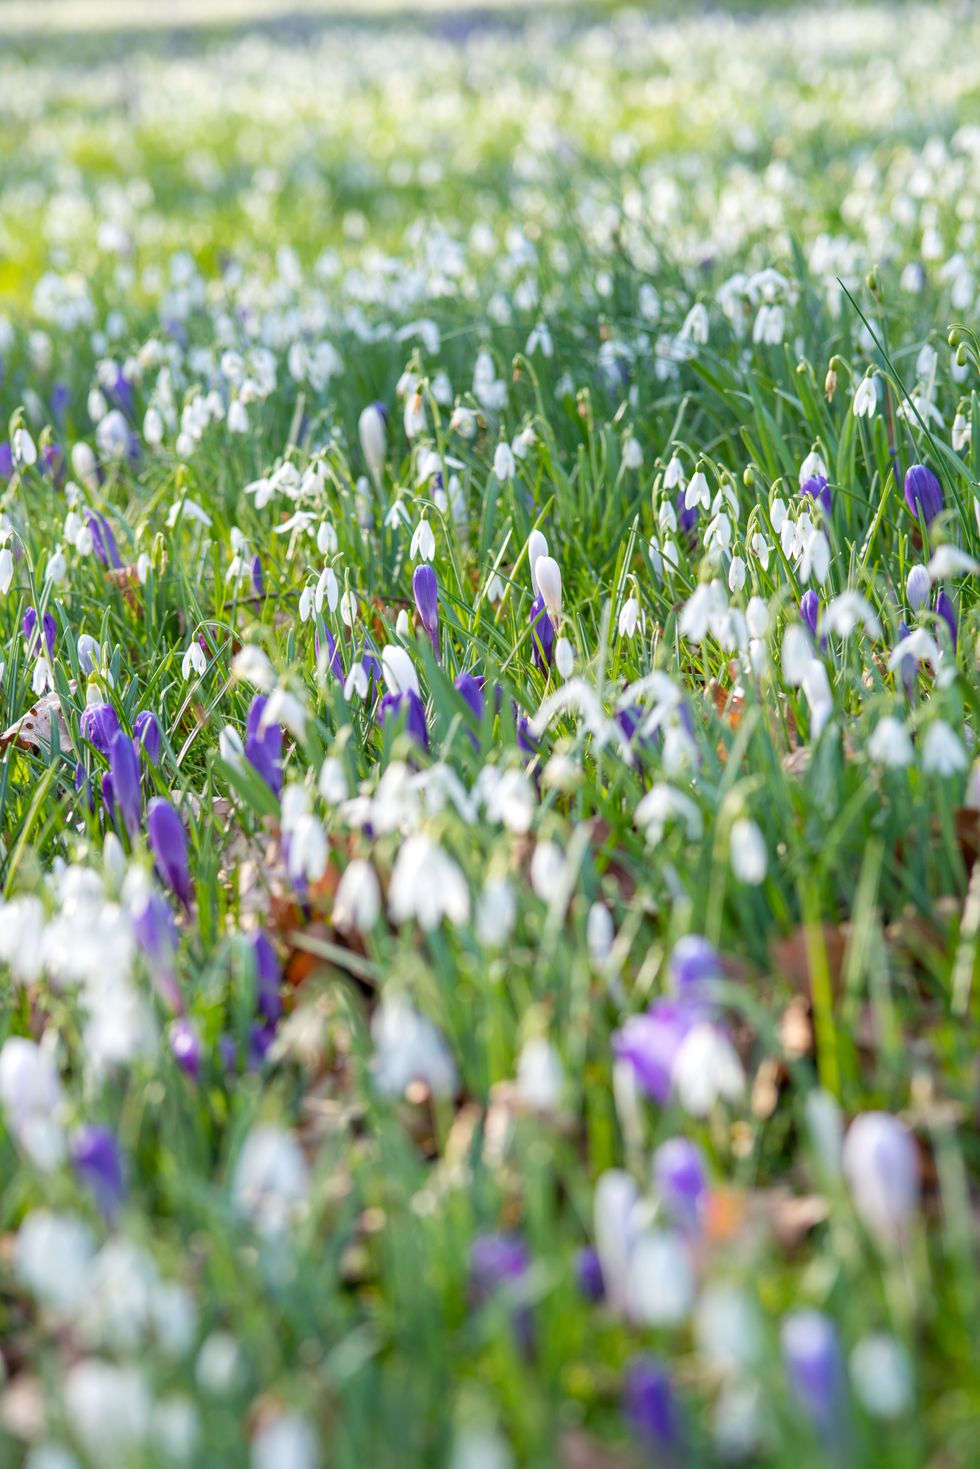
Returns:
<point x="489" y="634"/>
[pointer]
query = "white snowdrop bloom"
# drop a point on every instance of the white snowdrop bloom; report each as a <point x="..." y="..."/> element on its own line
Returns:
<point x="423" y="545"/>
<point x="6" y="570"/>
<point x="757" y="617"/>
<point x="284" y="708"/>
<point x="728" y="1329"/>
<point x="548" y="868"/>
<point x="108" y="1409"/>
<point x="814" y="558"/>
<point x="662" y="805"/>
<point x="962" y="433"/>
<point x="778" y="514"/>
<point x="53" y="1259"/>
<point x="796" y="655"/>
<point x="849" y="610"/>
<point x="718" y="536"/>
<point x="153" y="427"/>
<point x="84" y="466"/>
<point x="271" y="1179"/>
<point x="326" y="538"/>
<point x="496" y="913"/>
<point x="600" y="934"/>
<point x="881" y="1166"/>
<point x="495" y="590"/>
<point x="661" y="1281"/>
<point x="511" y="801"/>
<point x="695" y="326"/>
<point x="403" y="626"/>
<point x="706" y="1070"/>
<point x="112" y="435"/>
<point x="230" y="746"/>
<point x="951" y="561"/>
<point x="918" y="586"/>
<point x="357" y="903"/>
<point x="540" y="1078"/>
<point x="21" y="937"/>
<point x="549" y="586"/>
<point x="812" y="466"/>
<point x="816" y="688"/>
<point x="890" y="744"/>
<point x="327" y="590"/>
<point x="237" y="417"/>
<point x="194" y="660"/>
<point x="747" y="850"/>
<point x="629" y="617"/>
<point x="736" y="574"/>
<point x="407" y="1048"/>
<point x="697" y="492"/>
<point x="398" y="670"/>
<point x="308" y="851"/>
<point x="942" y="750"/>
<point x="769" y="327"/>
<point x="23" y="448"/>
<point x="306" y="602"/>
<point x="669" y="554"/>
<point x="286" y="1442"/>
<point x="31" y="1097"/>
<point x="218" y="1368"/>
<point x="176" y="1427"/>
<point x="674" y="474"/>
<point x="427" y="885"/>
<point x="881" y="1375"/>
<point x="120" y="1029"/>
<point x="42" y="678"/>
<point x="504" y="463"/>
<point x="702" y="612"/>
<point x="348" y="608"/>
<point x="57" y="567"/>
<point x="632" y="453"/>
<point x="332" y="782"/>
<point x="356" y="684"/>
<point x="372" y="433"/>
<point x="615" y="1206"/>
<point x="761" y="549"/>
<point x="142" y="567"/>
<point x="564" y="657"/>
<point x="919" y="646"/>
<point x="865" y="398"/>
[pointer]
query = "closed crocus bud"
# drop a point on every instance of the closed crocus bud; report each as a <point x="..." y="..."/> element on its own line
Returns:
<point x="103" y="540"/>
<point x="35" y="647"/>
<point x="680" y="1178"/>
<point x="169" y="846"/>
<point x="923" y="493"/>
<point x="372" y="431"/>
<point x="97" y="1162"/>
<point x="542" y="634"/>
<point x="499" y="1262"/>
<point x="99" y="725"/>
<point x="156" y="934"/>
<point x="263" y="745"/>
<point x="588" y="1274"/>
<point x="327" y="652"/>
<point x="409" y="705"/>
<point x="124" y="767"/>
<point x="425" y="590"/>
<point x="549" y="586"/>
<point x="946" y="610"/>
<point x="147" y="731"/>
<point x="812" y="1358"/>
<point x="881" y="1165"/>
<point x="650" y="1044"/>
<point x="694" y="966"/>
<point x="185" y="1047"/>
<point x="268" y="978"/>
<point x="651" y="1409"/>
<point x="818" y="489"/>
<point x="470" y="689"/>
<point x="810" y="610"/>
<point x="258" y="579"/>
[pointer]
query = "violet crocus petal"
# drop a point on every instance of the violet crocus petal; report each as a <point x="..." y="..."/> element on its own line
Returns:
<point x="168" y="842"/>
<point x="147" y="730"/>
<point x="263" y="747"/>
<point x="946" y="610"/>
<point x="97" y="1162"/>
<point x="687" y="519"/>
<point x="425" y="590"/>
<point x="268" y="977"/>
<point x="810" y="610"/>
<point x="812" y="1358"/>
<point x="470" y="690"/>
<point x="156" y="935"/>
<point x="108" y="797"/>
<point x="818" y="489"/>
<point x="542" y="634"/>
<point x="680" y="1178"/>
<point x="908" y="666"/>
<point x="499" y="1261"/>
<point x="185" y="1047"/>
<point x="694" y="966"/>
<point x="923" y="492"/>
<point x="393" y="706"/>
<point x="124" y="767"/>
<point x="103" y="540"/>
<point x="258" y="578"/>
<point x="650" y="1043"/>
<point x="650" y="1406"/>
<point x="323" y="637"/>
<point x="588" y="1273"/>
<point x="6" y="460"/>
<point x="99" y="725"/>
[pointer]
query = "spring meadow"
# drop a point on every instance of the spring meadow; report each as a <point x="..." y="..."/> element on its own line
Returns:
<point x="489" y="782"/>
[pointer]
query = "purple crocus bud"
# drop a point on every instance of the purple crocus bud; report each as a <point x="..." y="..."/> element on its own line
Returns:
<point x="84" y="786"/>
<point x="34" y="646"/>
<point x="168" y="843"/>
<point x="542" y="634"/>
<point x="52" y="462"/>
<point x="185" y="1047"/>
<point x="651" y="1409"/>
<point x="124" y="766"/>
<point x="526" y="740"/>
<point x="147" y="732"/>
<point x="694" y="966"/>
<point x="588" y="1273"/>
<point x="97" y="1162"/>
<point x="946" y="610"/>
<point x="371" y="664"/>
<point x="103" y="541"/>
<point x="156" y="935"/>
<point x="268" y="978"/>
<point x="258" y="579"/>
<point x="331" y="653"/>
<point x="818" y="489"/>
<point x="263" y="747"/>
<point x="650" y="1043"/>
<point x="908" y="666"/>
<point x="687" y="519"/>
<point x="810" y="610"/>
<point x="923" y="493"/>
<point x="499" y="1262"/>
<point x="881" y="1164"/>
<point x="108" y="799"/>
<point x="812" y="1358"/>
<point x="425" y="590"/>
<point x="60" y="399"/>
<point x="408" y="703"/>
<point x="680" y="1178"/>
<point x="470" y="690"/>
<point x="6" y="460"/>
<point x="120" y="392"/>
<point x="99" y="725"/>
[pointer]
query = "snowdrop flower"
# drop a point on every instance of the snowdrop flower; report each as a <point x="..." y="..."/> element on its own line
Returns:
<point x="540" y="1078"/>
<point x="357" y="903"/>
<point x="399" y="671"/>
<point x="942" y="750"/>
<point x="736" y="574"/>
<point x="629" y="617"/>
<point x="57" y="567"/>
<point x="548" y="869"/>
<point x="747" y="850"/>
<point x="108" y="1408"/>
<point x="845" y="612"/>
<point x="881" y="1375"/>
<point x="423" y="542"/>
<point x="372" y="431"/>
<point x="814" y="558"/>
<point x="564" y="657"/>
<point x="632" y="453"/>
<point x="285" y="1442"/>
<point x="951" y="561"/>
<point x="917" y="646"/>
<point x="796" y="655"/>
<point x="549" y="586"/>
<point x="890" y="744"/>
<point x="865" y="398"/>
<point x="504" y="463"/>
<point x="427" y="885"/>
<point x="30" y="1093"/>
<point x="194" y="661"/>
<point x="408" y="1048"/>
<point x="706" y="1070"/>
<point x="662" y="805"/>
<point x="6" y="570"/>
<point x="614" y="1214"/>
<point x="237" y="417"/>
<point x="327" y="590"/>
<point x="881" y="1166"/>
<point x="697" y="492"/>
<point x="271" y="1179"/>
<point x="53" y="1259"/>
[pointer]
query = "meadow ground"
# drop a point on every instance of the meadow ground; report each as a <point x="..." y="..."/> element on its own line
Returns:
<point x="489" y="538"/>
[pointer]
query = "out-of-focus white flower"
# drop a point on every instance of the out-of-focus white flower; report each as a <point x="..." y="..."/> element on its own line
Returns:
<point x="271" y="1180"/>
<point x="496" y="913"/>
<point x="706" y="1070"/>
<point x="427" y="885"/>
<point x="942" y="750"/>
<point x="540" y="1078"/>
<point x="399" y="670"/>
<point x="286" y="1442"/>
<point x="890" y="744"/>
<point x="423" y="545"/>
<point x="661" y="1279"/>
<point x="849" y="610"/>
<point x="548" y="867"/>
<point x="747" y="849"/>
<point x="408" y="1048"/>
<point x="629" y="617"/>
<point x="951" y="561"/>
<point x="31" y="1096"/>
<point x="357" y="903"/>
<point x="881" y="1374"/>
<point x="53" y="1259"/>
<point x="918" y="586"/>
<point x="881" y="1165"/>
<point x="564" y="656"/>
<point x="504" y="464"/>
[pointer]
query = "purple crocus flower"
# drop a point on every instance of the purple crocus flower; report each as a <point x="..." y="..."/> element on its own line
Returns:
<point x="52" y="462"/>
<point x="263" y="747"/>
<point x="810" y="610"/>
<point x="60" y="399"/>
<point x="156" y="934"/>
<point x="332" y="658"/>
<point x="371" y="664"/>
<point x="98" y="1164"/>
<point x="99" y="725"/>
<point x="526" y="740"/>
<point x="908" y="667"/>
<point x="268" y="978"/>
<point x="258" y="579"/>
<point x="818" y="489"/>
<point x="103" y="541"/>
<point x="108" y="799"/>
<point x="694" y="966"/>
<point x="185" y="1047"/>
<point x="84" y="786"/>
<point x="812" y="1358"/>
<point x="168" y="843"/>
<point x="542" y="635"/>
<point x="147" y="731"/>
<point x="425" y="590"/>
<point x="680" y="1178"/>
<point x="470" y="690"/>
<point x="923" y="493"/>
<point x="50" y="625"/>
<point x="408" y="703"/>
<point x="651" y="1408"/>
<point x="6" y="460"/>
<point x="124" y="766"/>
<point x="650" y="1043"/>
<point x="588" y="1273"/>
<point x="686" y="519"/>
<point x="946" y="610"/>
<point x="499" y="1262"/>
